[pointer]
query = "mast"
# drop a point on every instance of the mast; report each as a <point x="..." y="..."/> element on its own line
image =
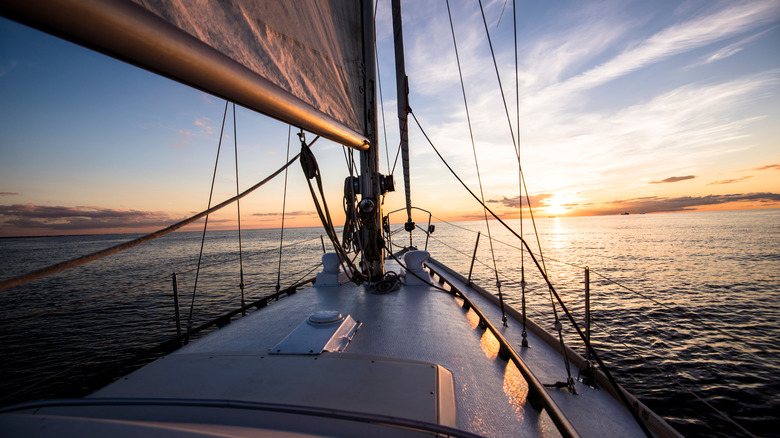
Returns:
<point x="370" y="206"/>
<point x="402" y="88"/>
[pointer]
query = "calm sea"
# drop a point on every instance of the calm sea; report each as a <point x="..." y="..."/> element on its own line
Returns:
<point x="685" y="306"/>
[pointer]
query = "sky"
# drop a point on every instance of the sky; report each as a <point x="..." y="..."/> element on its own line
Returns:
<point x="624" y="106"/>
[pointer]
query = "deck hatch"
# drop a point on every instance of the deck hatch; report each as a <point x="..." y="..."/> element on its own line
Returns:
<point x="325" y="331"/>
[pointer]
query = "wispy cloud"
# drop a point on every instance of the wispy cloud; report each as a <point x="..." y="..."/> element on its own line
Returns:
<point x="733" y="49"/>
<point x="769" y="167"/>
<point x="62" y="219"/>
<point x="204" y="123"/>
<point x="289" y="213"/>
<point x="697" y="32"/>
<point x="730" y="181"/>
<point x="673" y="179"/>
<point x="514" y="202"/>
<point x="184" y="138"/>
<point x="9" y="194"/>
<point x="670" y="128"/>
<point x="653" y="204"/>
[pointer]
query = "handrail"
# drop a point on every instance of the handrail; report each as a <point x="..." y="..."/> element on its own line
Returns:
<point x="507" y="352"/>
<point x="427" y="231"/>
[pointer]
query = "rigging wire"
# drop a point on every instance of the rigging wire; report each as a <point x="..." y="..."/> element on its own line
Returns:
<point x="515" y="142"/>
<point x="241" y="285"/>
<point x="574" y="324"/>
<point x="206" y="224"/>
<point x="284" y="207"/>
<point x="476" y="162"/>
<point x="524" y="342"/>
<point x="381" y="99"/>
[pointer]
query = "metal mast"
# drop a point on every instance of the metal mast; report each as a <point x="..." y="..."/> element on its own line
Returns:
<point x="369" y="208"/>
<point x="402" y="88"/>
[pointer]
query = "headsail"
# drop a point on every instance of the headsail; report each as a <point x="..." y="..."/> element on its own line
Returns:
<point x="298" y="61"/>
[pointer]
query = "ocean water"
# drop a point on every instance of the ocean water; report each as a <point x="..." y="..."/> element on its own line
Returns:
<point x="685" y="306"/>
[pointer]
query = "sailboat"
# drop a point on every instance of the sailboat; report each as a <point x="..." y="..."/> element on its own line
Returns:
<point x="393" y="344"/>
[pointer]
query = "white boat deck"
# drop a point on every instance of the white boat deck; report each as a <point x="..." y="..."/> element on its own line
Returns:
<point x="418" y="357"/>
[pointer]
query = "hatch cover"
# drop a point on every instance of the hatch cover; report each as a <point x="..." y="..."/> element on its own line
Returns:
<point x="325" y="331"/>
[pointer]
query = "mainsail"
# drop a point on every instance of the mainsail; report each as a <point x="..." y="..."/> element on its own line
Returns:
<point x="301" y="61"/>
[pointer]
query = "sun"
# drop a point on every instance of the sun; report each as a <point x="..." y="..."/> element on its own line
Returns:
<point x="558" y="205"/>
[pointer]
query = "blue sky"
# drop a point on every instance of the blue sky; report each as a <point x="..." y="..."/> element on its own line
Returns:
<point x="624" y="106"/>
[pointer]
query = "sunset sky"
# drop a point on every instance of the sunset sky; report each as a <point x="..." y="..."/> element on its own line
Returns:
<point x="625" y="106"/>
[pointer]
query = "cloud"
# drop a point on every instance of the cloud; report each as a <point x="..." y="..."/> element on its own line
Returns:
<point x="288" y="213"/>
<point x="513" y="202"/>
<point x="673" y="179"/>
<point x="679" y="38"/>
<point x="654" y="204"/>
<point x="184" y="138"/>
<point x="81" y="218"/>
<point x="471" y="217"/>
<point x="730" y="181"/>
<point x="733" y="49"/>
<point x="670" y="126"/>
<point x="769" y="167"/>
<point x="205" y="124"/>
<point x="9" y="194"/>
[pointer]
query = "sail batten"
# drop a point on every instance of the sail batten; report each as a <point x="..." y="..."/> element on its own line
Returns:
<point x="318" y="88"/>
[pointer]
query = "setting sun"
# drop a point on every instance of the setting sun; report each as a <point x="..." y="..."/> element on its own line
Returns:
<point x="558" y="205"/>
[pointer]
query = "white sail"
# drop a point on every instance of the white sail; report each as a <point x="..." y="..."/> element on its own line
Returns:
<point x="312" y="49"/>
<point x="298" y="61"/>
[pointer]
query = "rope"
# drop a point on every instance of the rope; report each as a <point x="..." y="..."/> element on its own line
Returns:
<point x="78" y="261"/>
<point x="238" y="211"/>
<point x="284" y="206"/>
<point x="311" y="171"/>
<point x="206" y="224"/>
<point x="476" y="162"/>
